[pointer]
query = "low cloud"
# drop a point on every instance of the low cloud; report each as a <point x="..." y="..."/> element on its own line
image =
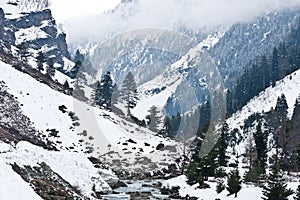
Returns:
<point x="169" y="14"/>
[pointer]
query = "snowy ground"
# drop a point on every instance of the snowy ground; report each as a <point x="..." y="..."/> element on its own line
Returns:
<point x="248" y="192"/>
<point x="90" y="132"/>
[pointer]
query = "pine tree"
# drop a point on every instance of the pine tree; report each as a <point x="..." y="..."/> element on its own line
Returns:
<point x="129" y="92"/>
<point x="234" y="183"/>
<point x="297" y="197"/>
<point x="296" y="111"/>
<point x="22" y="51"/>
<point x="115" y="95"/>
<point x="261" y="146"/>
<point x="281" y="137"/>
<point x="276" y="186"/>
<point x="103" y="92"/>
<point x="97" y="93"/>
<point x="281" y="109"/>
<point x="193" y="175"/>
<point x="168" y="127"/>
<point x="50" y="72"/>
<point x="154" y="119"/>
<point x="40" y="59"/>
<point x="66" y="84"/>
<point x="222" y="145"/>
<point x="254" y="174"/>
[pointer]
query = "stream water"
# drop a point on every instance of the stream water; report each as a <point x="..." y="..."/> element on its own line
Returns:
<point x="146" y="188"/>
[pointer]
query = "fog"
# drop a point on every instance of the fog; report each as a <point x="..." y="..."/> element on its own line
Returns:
<point x="168" y="14"/>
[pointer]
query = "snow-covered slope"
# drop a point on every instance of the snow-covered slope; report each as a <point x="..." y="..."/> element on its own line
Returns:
<point x="10" y="181"/>
<point x="248" y="192"/>
<point x="289" y="86"/>
<point x="80" y="131"/>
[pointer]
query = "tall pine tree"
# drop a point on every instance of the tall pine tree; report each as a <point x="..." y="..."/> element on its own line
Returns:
<point x="103" y="91"/>
<point x="222" y="145"/>
<point x="261" y="140"/>
<point x="154" y="119"/>
<point x="40" y="59"/>
<point x="128" y="92"/>
<point x="276" y="186"/>
<point x="50" y="72"/>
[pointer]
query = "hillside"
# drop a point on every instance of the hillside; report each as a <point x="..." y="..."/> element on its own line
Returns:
<point x="289" y="86"/>
<point x="80" y="131"/>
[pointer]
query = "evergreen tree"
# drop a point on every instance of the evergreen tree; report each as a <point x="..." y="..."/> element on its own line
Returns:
<point x="234" y="183"/>
<point x="40" y="59"/>
<point x="276" y="186"/>
<point x="115" y="95"/>
<point x="297" y="197"/>
<point x="22" y="51"/>
<point x="281" y="109"/>
<point x="97" y="93"/>
<point x="128" y="92"/>
<point x="66" y="84"/>
<point x="261" y="146"/>
<point x="254" y="174"/>
<point x="104" y="90"/>
<point x="296" y="112"/>
<point x="168" y="127"/>
<point x="222" y="145"/>
<point x="193" y="175"/>
<point x="50" y="72"/>
<point x="154" y="119"/>
<point x="281" y="137"/>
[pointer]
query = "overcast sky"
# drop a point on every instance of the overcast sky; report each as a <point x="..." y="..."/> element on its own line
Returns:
<point x="82" y="20"/>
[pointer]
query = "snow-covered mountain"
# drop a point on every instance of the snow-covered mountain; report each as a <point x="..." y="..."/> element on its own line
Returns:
<point x="232" y="50"/>
<point x="32" y="27"/>
<point x="54" y="144"/>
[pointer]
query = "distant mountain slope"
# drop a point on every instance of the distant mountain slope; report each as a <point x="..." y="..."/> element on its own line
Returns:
<point x="289" y="86"/>
<point x="244" y="42"/>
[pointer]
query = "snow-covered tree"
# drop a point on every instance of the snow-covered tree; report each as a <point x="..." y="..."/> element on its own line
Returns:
<point x="261" y="140"/>
<point x="40" y="60"/>
<point x="276" y="186"/>
<point x="103" y="91"/>
<point x="128" y="92"/>
<point x="297" y="197"/>
<point x="50" y="71"/>
<point x="154" y="119"/>
<point x="22" y="51"/>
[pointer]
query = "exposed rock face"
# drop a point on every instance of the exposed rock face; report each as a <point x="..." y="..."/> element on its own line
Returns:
<point x="38" y="31"/>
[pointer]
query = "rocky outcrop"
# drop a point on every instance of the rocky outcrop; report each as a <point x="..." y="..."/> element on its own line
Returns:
<point x="38" y="31"/>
